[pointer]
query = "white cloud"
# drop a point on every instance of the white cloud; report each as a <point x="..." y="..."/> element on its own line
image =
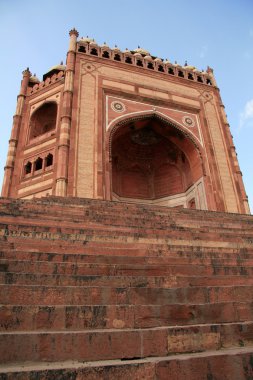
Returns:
<point x="246" y="117"/>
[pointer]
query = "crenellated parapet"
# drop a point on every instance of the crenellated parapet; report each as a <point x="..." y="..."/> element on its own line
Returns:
<point x="142" y="58"/>
<point x="39" y="85"/>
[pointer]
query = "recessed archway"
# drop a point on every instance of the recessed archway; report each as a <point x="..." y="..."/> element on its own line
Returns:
<point x="152" y="160"/>
<point x="43" y="120"/>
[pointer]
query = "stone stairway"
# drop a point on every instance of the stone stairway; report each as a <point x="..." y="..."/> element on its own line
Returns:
<point x="106" y="290"/>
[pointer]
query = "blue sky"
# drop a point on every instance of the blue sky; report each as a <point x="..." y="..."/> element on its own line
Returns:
<point x="217" y="33"/>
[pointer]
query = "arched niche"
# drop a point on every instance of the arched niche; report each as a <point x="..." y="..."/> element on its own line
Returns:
<point x="153" y="161"/>
<point x="43" y="120"/>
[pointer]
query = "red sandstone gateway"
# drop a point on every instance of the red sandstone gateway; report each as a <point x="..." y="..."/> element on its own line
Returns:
<point x="121" y="267"/>
<point x="123" y="126"/>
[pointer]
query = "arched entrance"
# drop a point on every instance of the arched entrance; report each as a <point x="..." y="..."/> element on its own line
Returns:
<point x="153" y="161"/>
<point x="43" y="120"/>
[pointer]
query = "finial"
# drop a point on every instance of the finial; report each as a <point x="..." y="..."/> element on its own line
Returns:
<point x="186" y="64"/>
<point x="139" y="47"/>
<point x="209" y="70"/>
<point x="26" y="71"/>
<point x="73" y="31"/>
<point x="116" y="46"/>
<point x="61" y="62"/>
<point x="175" y="62"/>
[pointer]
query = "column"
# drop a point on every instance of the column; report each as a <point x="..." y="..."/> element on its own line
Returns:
<point x="65" y="120"/>
<point x="13" y="142"/>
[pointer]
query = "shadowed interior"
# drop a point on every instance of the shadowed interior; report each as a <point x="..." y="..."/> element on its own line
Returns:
<point x="152" y="159"/>
<point x="43" y="120"/>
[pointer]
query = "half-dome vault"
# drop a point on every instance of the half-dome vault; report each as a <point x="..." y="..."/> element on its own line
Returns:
<point x="155" y="162"/>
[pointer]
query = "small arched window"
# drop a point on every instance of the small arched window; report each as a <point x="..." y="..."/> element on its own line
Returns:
<point x="82" y="49"/>
<point x="94" y="51"/>
<point x="49" y="160"/>
<point x="38" y="164"/>
<point x="28" y="167"/>
<point x="105" y="54"/>
<point x="150" y="66"/>
<point x="43" y="120"/>
<point x="128" y="60"/>
<point x="117" y="57"/>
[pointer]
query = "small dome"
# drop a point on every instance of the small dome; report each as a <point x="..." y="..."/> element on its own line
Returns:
<point x="138" y="55"/>
<point x="34" y="79"/>
<point x="116" y="48"/>
<point x="54" y="69"/>
<point x="141" y="51"/>
<point x="148" y="58"/>
<point x="158" y="59"/>
<point x="60" y="67"/>
<point x="93" y="43"/>
<point x="190" y="67"/>
<point x="105" y="45"/>
<point x="127" y="51"/>
<point x="166" y="61"/>
<point x="86" y="39"/>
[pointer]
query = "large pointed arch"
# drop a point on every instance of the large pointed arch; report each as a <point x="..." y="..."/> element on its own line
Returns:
<point x="141" y="115"/>
<point x="184" y="141"/>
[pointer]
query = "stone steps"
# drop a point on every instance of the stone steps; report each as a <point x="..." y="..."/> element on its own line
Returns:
<point x="89" y="207"/>
<point x="83" y="317"/>
<point x="118" y="214"/>
<point x="107" y="344"/>
<point x="101" y="269"/>
<point x="226" y="364"/>
<point x="78" y="295"/>
<point x="127" y="228"/>
<point x="129" y="285"/>
<point x="107" y="257"/>
<point x="170" y="281"/>
<point x="125" y="249"/>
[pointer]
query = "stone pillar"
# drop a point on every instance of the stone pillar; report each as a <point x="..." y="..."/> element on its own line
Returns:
<point x="8" y="170"/>
<point x="65" y="119"/>
<point x="210" y="72"/>
<point x="242" y="196"/>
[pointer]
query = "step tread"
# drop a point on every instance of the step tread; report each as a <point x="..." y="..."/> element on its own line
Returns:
<point x="72" y="364"/>
<point x="120" y="330"/>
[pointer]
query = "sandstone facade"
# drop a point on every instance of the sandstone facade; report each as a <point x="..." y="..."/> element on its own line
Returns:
<point x="122" y="126"/>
